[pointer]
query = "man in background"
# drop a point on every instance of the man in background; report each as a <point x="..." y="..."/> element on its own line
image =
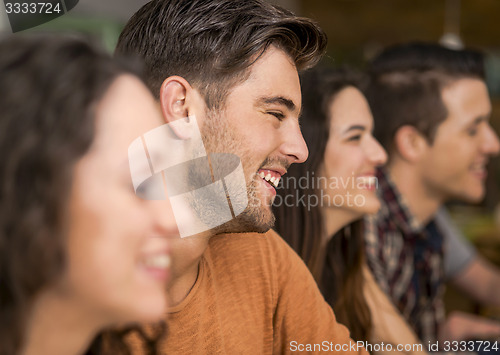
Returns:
<point x="431" y="110"/>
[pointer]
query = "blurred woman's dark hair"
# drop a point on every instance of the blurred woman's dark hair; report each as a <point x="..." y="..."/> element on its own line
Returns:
<point x="337" y="267"/>
<point x="50" y="87"/>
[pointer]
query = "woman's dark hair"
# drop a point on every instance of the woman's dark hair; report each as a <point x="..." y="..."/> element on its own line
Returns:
<point x="338" y="267"/>
<point x="50" y="87"/>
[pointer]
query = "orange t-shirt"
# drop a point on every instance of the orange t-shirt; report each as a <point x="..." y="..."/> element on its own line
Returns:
<point x="253" y="295"/>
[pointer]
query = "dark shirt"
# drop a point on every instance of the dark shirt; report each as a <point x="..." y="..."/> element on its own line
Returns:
<point x="406" y="259"/>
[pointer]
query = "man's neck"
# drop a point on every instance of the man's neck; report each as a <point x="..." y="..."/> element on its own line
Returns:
<point x="422" y="204"/>
<point x="186" y="256"/>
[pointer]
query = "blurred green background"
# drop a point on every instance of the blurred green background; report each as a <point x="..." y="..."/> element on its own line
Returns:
<point x="358" y="30"/>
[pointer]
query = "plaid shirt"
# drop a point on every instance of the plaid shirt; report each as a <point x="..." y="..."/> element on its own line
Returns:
<point x="406" y="259"/>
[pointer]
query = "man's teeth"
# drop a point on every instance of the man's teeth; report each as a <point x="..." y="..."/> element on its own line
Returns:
<point x="271" y="179"/>
<point x="158" y="261"/>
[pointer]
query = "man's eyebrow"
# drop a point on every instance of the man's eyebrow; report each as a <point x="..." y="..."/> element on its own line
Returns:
<point x="479" y="119"/>
<point x="280" y="100"/>
<point x="355" y="127"/>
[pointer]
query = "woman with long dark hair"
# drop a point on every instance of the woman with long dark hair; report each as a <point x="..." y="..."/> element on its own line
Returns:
<point x="79" y="251"/>
<point x="320" y="204"/>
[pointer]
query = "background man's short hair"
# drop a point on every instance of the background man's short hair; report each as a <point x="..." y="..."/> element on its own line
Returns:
<point x="406" y="82"/>
<point x="212" y="43"/>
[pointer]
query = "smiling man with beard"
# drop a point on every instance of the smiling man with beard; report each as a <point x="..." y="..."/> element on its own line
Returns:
<point x="233" y="65"/>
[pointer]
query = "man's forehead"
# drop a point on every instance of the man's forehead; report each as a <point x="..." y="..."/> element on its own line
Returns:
<point x="468" y="97"/>
<point x="274" y="77"/>
<point x="465" y="86"/>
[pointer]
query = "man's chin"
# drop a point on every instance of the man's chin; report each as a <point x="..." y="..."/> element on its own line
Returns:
<point x="472" y="196"/>
<point x="248" y="222"/>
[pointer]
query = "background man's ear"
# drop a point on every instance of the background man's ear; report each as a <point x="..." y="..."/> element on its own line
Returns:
<point x="410" y="143"/>
<point x="174" y="104"/>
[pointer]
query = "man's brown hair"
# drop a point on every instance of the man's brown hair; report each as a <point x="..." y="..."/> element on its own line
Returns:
<point x="212" y="43"/>
<point x="406" y="82"/>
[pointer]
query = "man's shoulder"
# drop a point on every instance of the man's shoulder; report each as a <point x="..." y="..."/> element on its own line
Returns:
<point x="251" y="242"/>
<point x="247" y="253"/>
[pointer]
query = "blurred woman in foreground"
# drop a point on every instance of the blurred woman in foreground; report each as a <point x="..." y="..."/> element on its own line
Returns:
<point x="321" y="203"/>
<point x="79" y="251"/>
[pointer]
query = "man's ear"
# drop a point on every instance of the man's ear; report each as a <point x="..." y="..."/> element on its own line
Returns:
<point x="174" y="104"/>
<point x="410" y="143"/>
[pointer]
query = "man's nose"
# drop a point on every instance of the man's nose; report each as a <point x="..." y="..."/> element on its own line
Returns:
<point x="294" y="146"/>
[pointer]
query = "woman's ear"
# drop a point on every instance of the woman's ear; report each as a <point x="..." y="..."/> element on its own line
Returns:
<point x="174" y="106"/>
<point x="410" y="143"/>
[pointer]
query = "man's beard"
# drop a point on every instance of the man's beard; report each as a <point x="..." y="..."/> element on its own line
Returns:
<point x="219" y="137"/>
